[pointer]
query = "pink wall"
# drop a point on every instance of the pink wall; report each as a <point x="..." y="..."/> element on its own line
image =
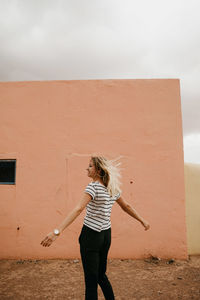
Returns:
<point x="53" y="127"/>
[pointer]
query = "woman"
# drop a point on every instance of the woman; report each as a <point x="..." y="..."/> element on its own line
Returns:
<point x="95" y="237"/>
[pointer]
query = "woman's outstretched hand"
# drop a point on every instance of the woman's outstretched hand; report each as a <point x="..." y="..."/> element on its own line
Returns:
<point x="49" y="239"/>
<point x="146" y="225"/>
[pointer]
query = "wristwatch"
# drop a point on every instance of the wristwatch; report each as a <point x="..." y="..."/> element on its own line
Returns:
<point x="56" y="231"/>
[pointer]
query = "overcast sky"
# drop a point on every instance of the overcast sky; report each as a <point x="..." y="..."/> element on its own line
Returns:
<point x="107" y="39"/>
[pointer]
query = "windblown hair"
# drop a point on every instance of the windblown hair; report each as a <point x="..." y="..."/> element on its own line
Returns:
<point x="109" y="173"/>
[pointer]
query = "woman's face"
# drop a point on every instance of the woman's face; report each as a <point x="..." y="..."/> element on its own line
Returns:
<point x="91" y="170"/>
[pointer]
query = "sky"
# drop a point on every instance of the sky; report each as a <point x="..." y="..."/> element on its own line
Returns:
<point x="107" y="39"/>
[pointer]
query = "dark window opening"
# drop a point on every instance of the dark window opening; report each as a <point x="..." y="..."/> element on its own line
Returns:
<point x="7" y="171"/>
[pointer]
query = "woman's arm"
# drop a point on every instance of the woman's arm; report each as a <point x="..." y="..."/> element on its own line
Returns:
<point x="47" y="241"/>
<point x="132" y="212"/>
<point x="75" y="212"/>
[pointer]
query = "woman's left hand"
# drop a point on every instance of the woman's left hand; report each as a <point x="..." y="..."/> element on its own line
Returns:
<point x="49" y="239"/>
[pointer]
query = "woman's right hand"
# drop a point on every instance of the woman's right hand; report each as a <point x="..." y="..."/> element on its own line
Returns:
<point x="146" y="225"/>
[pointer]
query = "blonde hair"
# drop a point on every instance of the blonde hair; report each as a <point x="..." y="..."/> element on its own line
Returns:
<point x="109" y="172"/>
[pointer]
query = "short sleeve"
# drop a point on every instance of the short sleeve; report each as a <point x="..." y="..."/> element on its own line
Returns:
<point x="117" y="196"/>
<point x="90" y="189"/>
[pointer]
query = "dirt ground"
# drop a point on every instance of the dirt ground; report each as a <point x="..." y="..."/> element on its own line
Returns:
<point x="131" y="279"/>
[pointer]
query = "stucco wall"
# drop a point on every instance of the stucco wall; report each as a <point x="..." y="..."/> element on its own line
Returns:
<point x="52" y="128"/>
<point x="192" y="192"/>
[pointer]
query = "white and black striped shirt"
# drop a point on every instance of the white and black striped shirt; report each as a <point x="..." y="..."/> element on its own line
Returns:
<point x="99" y="208"/>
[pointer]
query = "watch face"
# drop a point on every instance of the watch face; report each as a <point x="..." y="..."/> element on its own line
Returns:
<point x="56" y="232"/>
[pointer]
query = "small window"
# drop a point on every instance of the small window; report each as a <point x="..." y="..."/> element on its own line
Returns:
<point x="7" y="171"/>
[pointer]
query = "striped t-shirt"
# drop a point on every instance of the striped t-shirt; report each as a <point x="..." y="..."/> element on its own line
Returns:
<point x="99" y="208"/>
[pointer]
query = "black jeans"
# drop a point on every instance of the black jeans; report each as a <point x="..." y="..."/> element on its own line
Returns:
<point x="94" y="248"/>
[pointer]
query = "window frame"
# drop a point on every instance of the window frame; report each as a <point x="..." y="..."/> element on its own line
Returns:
<point x="14" y="175"/>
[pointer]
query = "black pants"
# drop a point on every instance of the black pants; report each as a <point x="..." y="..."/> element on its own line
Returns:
<point x="94" y="248"/>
